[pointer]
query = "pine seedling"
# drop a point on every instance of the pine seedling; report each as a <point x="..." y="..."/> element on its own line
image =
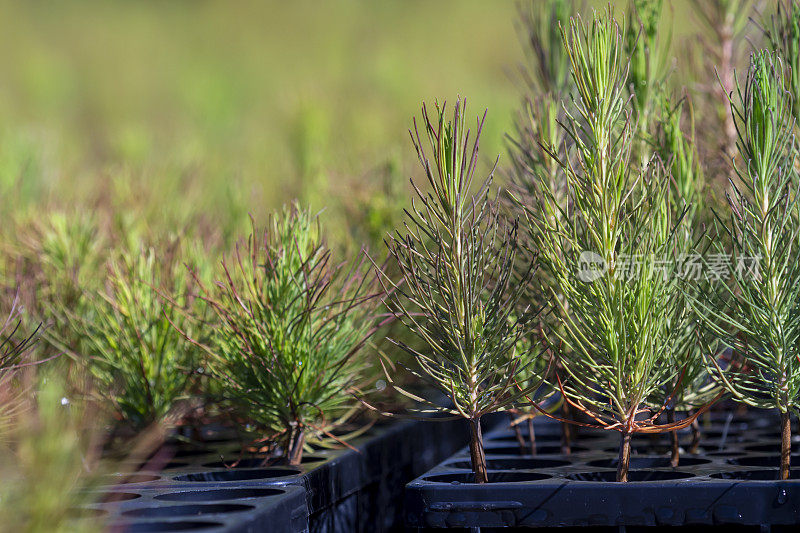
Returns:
<point x="290" y="329"/>
<point x="459" y="288"/>
<point x="694" y="388"/>
<point x="782" y="31"/>
<point x="610" y="256"/>
<point x="756" y="315"/>
<point x="537" y="133"/>
<point x="125" y="337"/>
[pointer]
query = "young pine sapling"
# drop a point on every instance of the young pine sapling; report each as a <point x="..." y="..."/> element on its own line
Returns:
<point x="291" y="325"/>
<point x="125" y="335"/>
<point x="757" y="315"/>
<point x="460" y="287"/>
<point x="537" y="130"/>
<point x="610" y="255"/>
<point x="693" y="388"/>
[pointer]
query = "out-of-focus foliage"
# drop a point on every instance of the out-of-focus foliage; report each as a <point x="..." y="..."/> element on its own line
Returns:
<point x="15" y="355"/>
<point x="48" y="460"/>
<point x="131" y="334"/>
<point x="197" y="111"/>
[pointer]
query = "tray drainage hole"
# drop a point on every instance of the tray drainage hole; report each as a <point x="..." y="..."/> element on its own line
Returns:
<point x="543" y="450"/>
<point x="112" y="497"/>
<point x="179" y="452"/>
<point x="175" y="464"/>
<point x="216" y="495"/>
<point x="648" y="462"/>
<point x="513" y="464"/>
<point x="665" y="449"/>
<point x="257" y="462"/>
<point x="633" y="475"/>
<point x="237" y="475"/>
<point x="307" y="459"/>
<point x="151" y="527"/>
<point x="494" y="477"/>
<point x="763" y="460"/>
<point x="188" y="510"/>
<point x="556" y="450"/>
<point x="152" y="465"/>
<point x="641" y="449"/>
<point x="755" y="475"/>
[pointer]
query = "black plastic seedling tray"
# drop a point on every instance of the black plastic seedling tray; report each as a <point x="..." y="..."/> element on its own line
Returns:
<point x="731" y="481"/>
<point x="229" y="509"/>
<point x="342" y="490"/>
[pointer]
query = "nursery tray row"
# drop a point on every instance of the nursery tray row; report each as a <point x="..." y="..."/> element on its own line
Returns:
<point x="212" y="487"/>
<point x="731" y="480"/>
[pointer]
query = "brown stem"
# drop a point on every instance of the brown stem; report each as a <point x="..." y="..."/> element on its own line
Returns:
<point x="531" y="436"/>
<point x="518" y="434"/>
<point x="624" y="456"/>
<point x="476" y="450"/>
<point x="566" y="431"/>
<point x="695" y="444"/>
<point x="294" y="445"/>
<point x="786" y="444"/>
<point x="676" y="445"/>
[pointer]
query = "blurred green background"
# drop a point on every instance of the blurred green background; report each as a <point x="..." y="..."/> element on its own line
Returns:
<point x="153" y="128"/>
<point x="189" y="108"/>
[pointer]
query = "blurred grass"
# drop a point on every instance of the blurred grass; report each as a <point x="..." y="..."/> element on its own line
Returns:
<point x="223" y="108"/>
